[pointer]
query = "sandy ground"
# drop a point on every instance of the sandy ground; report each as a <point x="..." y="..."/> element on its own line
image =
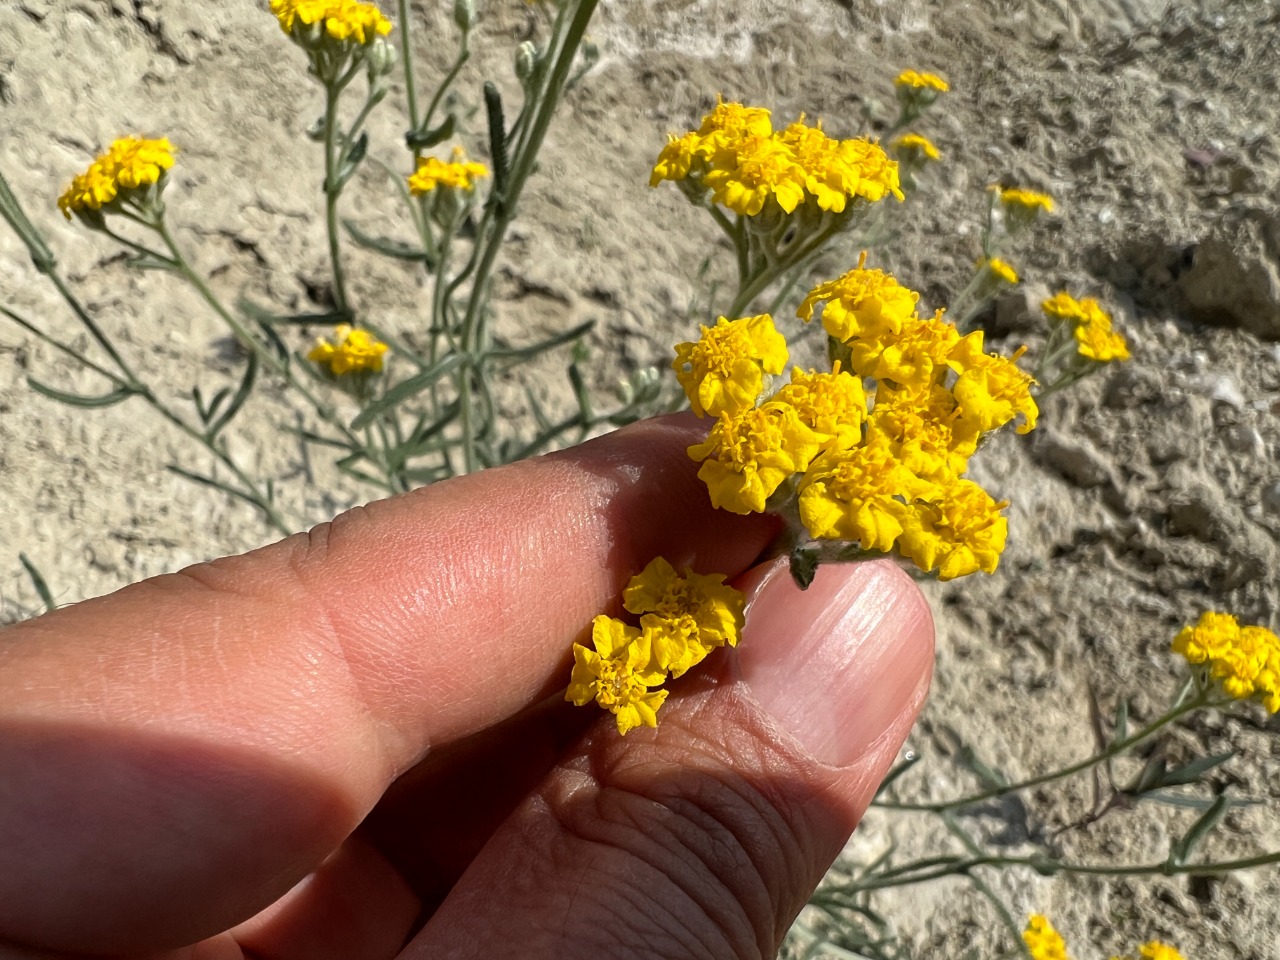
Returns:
<point x="1148" y="495"/>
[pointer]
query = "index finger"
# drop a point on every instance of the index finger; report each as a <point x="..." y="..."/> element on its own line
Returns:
<point x="239" y="718"/>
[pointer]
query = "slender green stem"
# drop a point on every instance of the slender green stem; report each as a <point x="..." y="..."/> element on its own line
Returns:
<point x="332" y="190"/>
<point x="1117" y="748"/>
<point x="265" y="353"/>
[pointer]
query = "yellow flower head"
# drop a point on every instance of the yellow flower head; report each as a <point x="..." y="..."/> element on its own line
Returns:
<point x="862" y="303"/>
<point x="831" y="403"/>
<point x="924" y="430"/>
<point x="724" y="371"/>
<point x="677" y="158"/>
<point x="1044" y="942"/>
<point x="836" y="171"/>
<point x="457" y="174"/>
<point x="1018" y="201"/>
<point x="350" y="351"/>
<point x="1245" y="660"/>
<point x="914" y="358"/>
<point x="916" y="147"/>
<point x="618" y="674"/>
<point x="857" y="495"/>
<point x="1096" y="340"/>
<point x="991" y="390"/>
<point x="960" y="532"/>
<point x="747" y="457"/>
<point x="878" y="173"/>
<point x="339" y="19"/>
<point x="1001" y="270"/>
<point x="731" y="122"/>
<point x="756" y="169"/>
<point x="130" y="164"/>
<point x="685" y="616"/>
<point x="916" y="80"/>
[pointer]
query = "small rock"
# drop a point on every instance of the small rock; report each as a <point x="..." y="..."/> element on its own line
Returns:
<point x="1271" y="498"/>
<point x="1076" y="461"/>
<point x="1245" y="438"/>
<point x="1234" y="279"/>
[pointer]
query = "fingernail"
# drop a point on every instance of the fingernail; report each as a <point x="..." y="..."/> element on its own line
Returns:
<point x="839" y="665"/>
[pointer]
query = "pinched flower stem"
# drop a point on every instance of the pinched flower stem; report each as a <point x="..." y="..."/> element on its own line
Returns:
<point x="332" y="191"/>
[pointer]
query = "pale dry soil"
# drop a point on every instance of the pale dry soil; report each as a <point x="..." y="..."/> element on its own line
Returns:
<point x="1148" y="494"/>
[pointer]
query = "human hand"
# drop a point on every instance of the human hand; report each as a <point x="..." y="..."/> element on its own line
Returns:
<point x="351" y="744"/>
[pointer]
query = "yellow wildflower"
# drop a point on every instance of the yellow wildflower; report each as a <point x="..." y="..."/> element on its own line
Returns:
<point x="1245" y="660"/>
<point x="862" y="303"/>
<point x="754" y="171"/>
<point x="925" y="431"/>
<point x="879" y="174"/>
<point x="1155" y="950"/>
<point x="915" y="357"/>
<point x="731" y="122"/>
<point x="1001" y="270"/>
<point x="617" y="674"/>
<point x="1028" y="201"/>
<point x="917" y="147"/>
<point x="1096" y="340"/>
<point x="915" y="79"/>
<point x="856" y="495"/>
<point x="831" y="403"/>
<point x="747" y="457"/>
<point x="829" y="177"/>
<point x="991" y="389"/>
<point x="129" y="164"/>
<point x="677" y="158"/>
<point x="959" y="533"/>
<point x="458" y="174"/>
<point x="352" y="350"/>
<point x="724" y="371"/>
<point x="686" y="616"/>
<point x="340" y="19"/>
<point x="1044" y="942"/>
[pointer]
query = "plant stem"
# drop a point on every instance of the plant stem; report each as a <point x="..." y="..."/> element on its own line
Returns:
<point x="1117" y="748"/>
<point x="332" y="191"/>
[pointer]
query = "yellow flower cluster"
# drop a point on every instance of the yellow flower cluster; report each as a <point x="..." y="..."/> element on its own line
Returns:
<point x="917" y="80"/>
<point x="339" y="19"/>
<point x="889" y="476"/>
<point x="682" y="618"/>
<point x="1095" y="338"/>
<point x="1001" y="270"/>
<point x="917" y="146"/>
<point x="747" y="166"/>
<point x="129" y="164"/>
<point x="1244" y="659"/>
<point x="351" y="351"/>
<point x="1045" y="943"/>
<point x="1015" y="199"/>
<point x="458" y="174"/>
<point x="1042" y="940"/>
<point x="1154" y="950"/>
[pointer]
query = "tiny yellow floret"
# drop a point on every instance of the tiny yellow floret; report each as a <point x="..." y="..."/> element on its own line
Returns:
<point x="1027" y="200"/>
<point x="1153" y="950"/>
<point x="1001" y="270"/>
<point x="686" y="615"/>
<point x="1042" y="940"/>
<point x="1096" y="339"/>
<point x="350" y="351"/>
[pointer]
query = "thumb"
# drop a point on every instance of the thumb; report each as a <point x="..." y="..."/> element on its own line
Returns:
<point x="705" y="837"/>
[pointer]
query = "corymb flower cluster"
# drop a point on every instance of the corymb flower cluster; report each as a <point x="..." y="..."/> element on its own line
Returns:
<point x="873" y="451"/>
<point x="681" y="619"/>
<point x="1244" y="660"/>
<point x="131" y="170"/>
<point x="737" y="156"/>
<point x="1045" y="943"/>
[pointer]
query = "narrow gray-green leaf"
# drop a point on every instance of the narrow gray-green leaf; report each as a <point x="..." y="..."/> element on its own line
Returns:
<point x="405" y="390"/>
<point x="1185" y="847"/>
<point x="77" y="400"/>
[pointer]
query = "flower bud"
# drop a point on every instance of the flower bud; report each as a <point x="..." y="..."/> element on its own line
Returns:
<point x="464" y="14"/>
<point x="526" y="61"/>
<point x="381" y="59"/>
